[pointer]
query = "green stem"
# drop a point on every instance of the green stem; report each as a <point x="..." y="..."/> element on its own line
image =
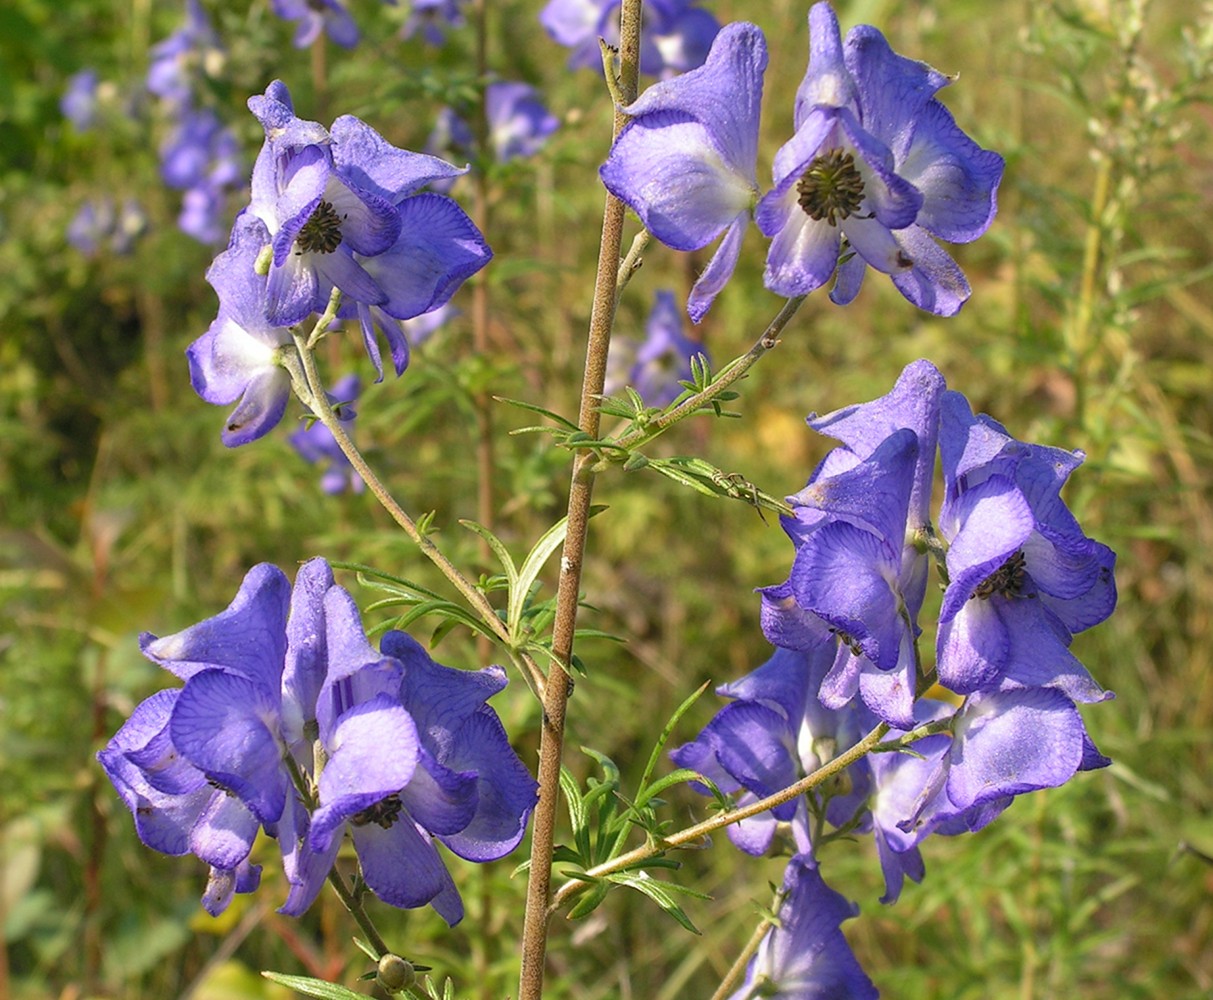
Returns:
<point x="312" y="394"/>
<point x="700" y="830"/>
<point x="551" y="740"/>
<point x="729" y="375"/>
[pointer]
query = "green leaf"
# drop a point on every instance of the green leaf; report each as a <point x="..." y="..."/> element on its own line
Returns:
<point x="314" y="987"/>
<point x="659" y="746"/>
<point x="589" y="901"/>
<point x="499" y="549"/>
<point x="548" y="542"/>
<point x="683" y="774"/>
<point x="522" y="404"/>
<point x="660" y="893"/>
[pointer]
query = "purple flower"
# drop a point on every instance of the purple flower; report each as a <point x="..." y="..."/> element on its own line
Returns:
<point x="519" y="123"/>
<point x="850" y="578"/>
<point x="176" y="809"/>
<point x="877" y="167"/>
<point x="432" y="18"/>
<point x="1022" y="575"/>
<point x="237" y="359"/>
<point x="91" y="225"/>
<point x="411" y="753"/>
<point x="655" y="367"/>
<point x="685" y="162"/>
<point x="315" y="442"/>
<point x="315" y="16"/>
<point x="806" y="956"/>
<point x="1003" y="744"/>
<point x="98" y="221"/>
<point x="79" y="100"/>
<point x="193" y="46"/>
<point x="343" y="210"/>
<point x="776" y="732"/>
<point x="675" y="35"/>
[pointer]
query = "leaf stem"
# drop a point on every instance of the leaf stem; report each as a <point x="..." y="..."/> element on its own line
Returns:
<point x="730" y="374"/>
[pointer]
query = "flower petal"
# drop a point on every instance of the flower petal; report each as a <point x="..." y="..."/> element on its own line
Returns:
<point x="438" y="249"/>
<point x="666" y="167"/>
<point x="248" y="638"/>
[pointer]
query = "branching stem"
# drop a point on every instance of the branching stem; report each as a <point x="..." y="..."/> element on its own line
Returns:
<point x="700" y="830"/>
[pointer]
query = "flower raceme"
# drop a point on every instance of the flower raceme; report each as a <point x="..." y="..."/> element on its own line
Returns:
<point x="290" y="722"/>
<point x="1020" y="578"/>
<point x="876" y="171"/>
<point x="337" y="209"/>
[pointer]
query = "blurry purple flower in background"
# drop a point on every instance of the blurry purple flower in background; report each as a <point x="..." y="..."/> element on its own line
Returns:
<point x="654" y="367"/>
<point x="315" y="16"/>
<point x="519" y="125"/>
<point x="686" y="160"/>
<point x="421" y="328"/>
<point x="79" y="100"/>
<point x="675" y="34"/>
<point x="98" y="221"/>
<point x="315" y="442"/>
<point x="201" y="154"/>
<point x="176" y="60"/>
<point x="432" y="18"/>
<point x="519" y="122"/>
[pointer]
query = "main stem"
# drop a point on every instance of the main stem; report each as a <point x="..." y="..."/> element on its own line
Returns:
<point x="559" y="685"/>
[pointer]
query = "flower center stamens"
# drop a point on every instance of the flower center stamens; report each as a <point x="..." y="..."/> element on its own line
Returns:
<point x="1008" y="580"/>
<point x="385" y="812"/>
<point x="831" y="188"/>
<point x="322" y="231"/>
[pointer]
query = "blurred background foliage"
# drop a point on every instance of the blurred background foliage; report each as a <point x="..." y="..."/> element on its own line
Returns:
<point x="1091" y="326"/>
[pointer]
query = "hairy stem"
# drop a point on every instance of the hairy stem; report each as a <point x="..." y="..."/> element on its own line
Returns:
<point x="737" y="969"/>
<point x="312" y="394"/>
<point x="551" y="741"/>
<point x="729" y="375"/>
<point x="700" y="830"/>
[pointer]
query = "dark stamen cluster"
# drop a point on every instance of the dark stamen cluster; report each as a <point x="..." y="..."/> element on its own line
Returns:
<point x="385" y="812"/>
<point x="322" y="232"/>
<point x="1007" y="580"/>
<point x="849" y="641"/>
<point x="831" y="188"/>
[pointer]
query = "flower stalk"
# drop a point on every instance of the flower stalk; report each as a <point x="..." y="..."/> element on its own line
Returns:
<point x="559" y="685"/>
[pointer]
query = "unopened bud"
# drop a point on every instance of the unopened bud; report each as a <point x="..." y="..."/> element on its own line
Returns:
<point x="395" y="974"/>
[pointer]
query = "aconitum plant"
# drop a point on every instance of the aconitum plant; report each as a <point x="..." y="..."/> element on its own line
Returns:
<point x="887" y="711"/>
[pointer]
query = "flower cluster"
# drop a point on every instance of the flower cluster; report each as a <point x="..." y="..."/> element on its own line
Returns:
<point x="1020" y="579"/>
<point x="200" y="157"/>
<point x="675" y="36"/>
<point x="877" y="169"/>
<point x="291" y="723"/>
<point x="338" y="209"/>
